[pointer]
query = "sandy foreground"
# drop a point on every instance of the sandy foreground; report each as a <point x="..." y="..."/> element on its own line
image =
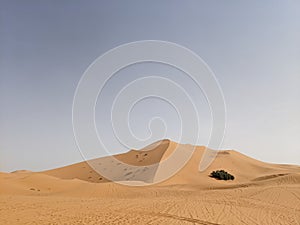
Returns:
<point x="262" y="193"/>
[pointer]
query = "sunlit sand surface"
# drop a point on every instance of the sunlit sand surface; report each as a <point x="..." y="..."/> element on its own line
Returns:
<point x="262" y="193"/>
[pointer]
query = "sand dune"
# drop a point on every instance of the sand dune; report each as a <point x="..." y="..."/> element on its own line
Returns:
<point x="262" y="193"/>
<point x="145" y="165"/>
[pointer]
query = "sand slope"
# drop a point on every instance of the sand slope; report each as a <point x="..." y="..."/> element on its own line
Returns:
<point x="262" y="193"/>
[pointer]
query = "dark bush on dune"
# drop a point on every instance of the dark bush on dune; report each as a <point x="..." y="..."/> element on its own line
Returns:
<point x="221" y="175"/>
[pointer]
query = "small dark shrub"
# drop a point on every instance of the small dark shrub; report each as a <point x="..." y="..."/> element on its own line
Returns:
<point x="221" y="175"/>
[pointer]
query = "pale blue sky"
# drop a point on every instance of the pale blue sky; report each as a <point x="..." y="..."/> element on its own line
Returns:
<point x="253" y="48"/>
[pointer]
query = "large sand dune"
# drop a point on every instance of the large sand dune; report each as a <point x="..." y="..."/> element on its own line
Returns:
<point x="262" y="193"/>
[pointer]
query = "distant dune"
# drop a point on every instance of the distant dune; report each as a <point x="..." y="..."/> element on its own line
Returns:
<point x="261" y="193"/>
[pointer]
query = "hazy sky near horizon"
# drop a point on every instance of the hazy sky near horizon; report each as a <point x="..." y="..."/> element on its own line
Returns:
<point x="45" y="46"/>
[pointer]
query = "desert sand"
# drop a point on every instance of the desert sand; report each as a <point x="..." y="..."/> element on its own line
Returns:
<point x="261" y="193"/>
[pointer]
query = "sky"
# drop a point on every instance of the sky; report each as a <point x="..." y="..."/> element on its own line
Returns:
<point x="252" y="47"/>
